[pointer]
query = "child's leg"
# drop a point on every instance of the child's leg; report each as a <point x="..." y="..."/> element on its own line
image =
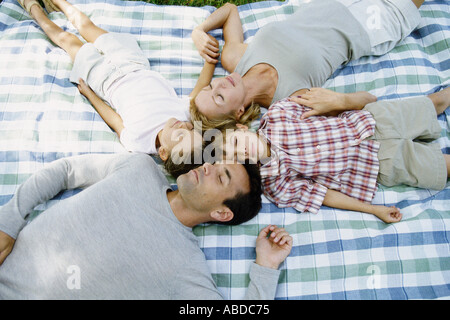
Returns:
<point x="441" y="100"/>
<point x="67" y="41"/>
<point x="85" y="26"/>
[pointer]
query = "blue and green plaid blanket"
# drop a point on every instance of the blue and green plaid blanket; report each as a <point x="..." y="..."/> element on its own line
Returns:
<point x="336" y="254"/>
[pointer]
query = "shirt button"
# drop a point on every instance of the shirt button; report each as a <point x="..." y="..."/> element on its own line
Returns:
<point x="318" y="146"/>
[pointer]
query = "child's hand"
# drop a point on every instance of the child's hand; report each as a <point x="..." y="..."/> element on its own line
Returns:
<point x="84" y="89"/>
<point x="388" y="214"/>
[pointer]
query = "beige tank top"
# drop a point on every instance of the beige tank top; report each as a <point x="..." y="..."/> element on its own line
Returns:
<point x="308" y="46"/>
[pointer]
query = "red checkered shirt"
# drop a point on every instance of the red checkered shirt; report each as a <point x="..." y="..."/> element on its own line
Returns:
<point x="319" y="153"/>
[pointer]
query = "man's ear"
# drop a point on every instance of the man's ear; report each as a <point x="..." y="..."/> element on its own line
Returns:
<point x="222" y="215"/>
<point x="163" y="153"/>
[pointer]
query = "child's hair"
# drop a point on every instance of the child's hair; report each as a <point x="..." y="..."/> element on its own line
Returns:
<point x="250" y="114"/>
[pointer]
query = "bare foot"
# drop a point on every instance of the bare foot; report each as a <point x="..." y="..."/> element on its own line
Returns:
<point x="30" y="6"/>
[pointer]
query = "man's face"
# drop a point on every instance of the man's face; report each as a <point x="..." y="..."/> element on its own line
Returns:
<point x="207" y="187"/>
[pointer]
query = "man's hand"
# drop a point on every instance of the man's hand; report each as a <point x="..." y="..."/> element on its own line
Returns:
<point x="207" y="45"/>
<point x="6" y="246"/>
<point x="273" y="245"/>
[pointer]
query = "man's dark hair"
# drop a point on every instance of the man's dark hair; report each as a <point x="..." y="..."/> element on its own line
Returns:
<point x="246" y="206"/>
<point x="176" y="170"/>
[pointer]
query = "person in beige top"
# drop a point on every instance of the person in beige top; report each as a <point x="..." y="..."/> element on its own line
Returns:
<point x="293" y="57"/>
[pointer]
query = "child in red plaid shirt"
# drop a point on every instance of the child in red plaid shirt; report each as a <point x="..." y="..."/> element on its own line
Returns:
<point x="307" y="161"/>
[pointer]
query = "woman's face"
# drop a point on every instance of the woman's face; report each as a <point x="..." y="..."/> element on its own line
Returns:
<point x="223" y="97"/>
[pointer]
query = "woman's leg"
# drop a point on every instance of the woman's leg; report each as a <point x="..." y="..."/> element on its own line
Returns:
<point x="85" y="26"/>
<point x="67" y="41"/>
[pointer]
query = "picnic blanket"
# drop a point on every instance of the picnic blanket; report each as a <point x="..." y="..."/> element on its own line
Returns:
<point x="336" y="254"/>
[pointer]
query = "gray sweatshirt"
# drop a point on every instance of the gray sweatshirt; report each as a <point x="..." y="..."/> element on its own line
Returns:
<point x="116" y="239"/>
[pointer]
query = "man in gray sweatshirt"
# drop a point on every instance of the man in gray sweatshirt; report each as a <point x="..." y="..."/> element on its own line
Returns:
<point x="126" y="235"/>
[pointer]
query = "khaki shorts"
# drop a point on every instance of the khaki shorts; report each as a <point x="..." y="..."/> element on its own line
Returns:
<point x="406" y="130"/>
<point x="108" y="59"/>
<point x="387" y="22"/>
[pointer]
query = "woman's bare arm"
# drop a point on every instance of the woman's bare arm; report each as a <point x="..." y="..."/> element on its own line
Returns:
<point x="326" y="102"/>
<point x="204" y="79"/>
<point x="226" y="17"/>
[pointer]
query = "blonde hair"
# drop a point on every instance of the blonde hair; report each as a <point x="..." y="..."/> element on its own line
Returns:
<point x="251" y="113"/>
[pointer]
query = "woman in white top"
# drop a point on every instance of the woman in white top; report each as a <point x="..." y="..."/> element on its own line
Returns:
<point x="143" y="108"/>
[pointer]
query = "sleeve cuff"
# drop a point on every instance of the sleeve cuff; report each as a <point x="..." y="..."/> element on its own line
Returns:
<point x="265" y="280"/>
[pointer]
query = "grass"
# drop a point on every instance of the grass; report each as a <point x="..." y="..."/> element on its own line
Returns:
<point x="198" y="3"/>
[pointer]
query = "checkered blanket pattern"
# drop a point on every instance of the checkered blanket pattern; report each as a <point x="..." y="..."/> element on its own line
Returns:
<point x="336" y="254"/>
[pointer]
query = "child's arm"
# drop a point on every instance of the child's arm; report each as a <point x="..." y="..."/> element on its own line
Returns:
<point x="111" y="117"/>
<point x="339" y="200"/>
<point x="326" y="102"/>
